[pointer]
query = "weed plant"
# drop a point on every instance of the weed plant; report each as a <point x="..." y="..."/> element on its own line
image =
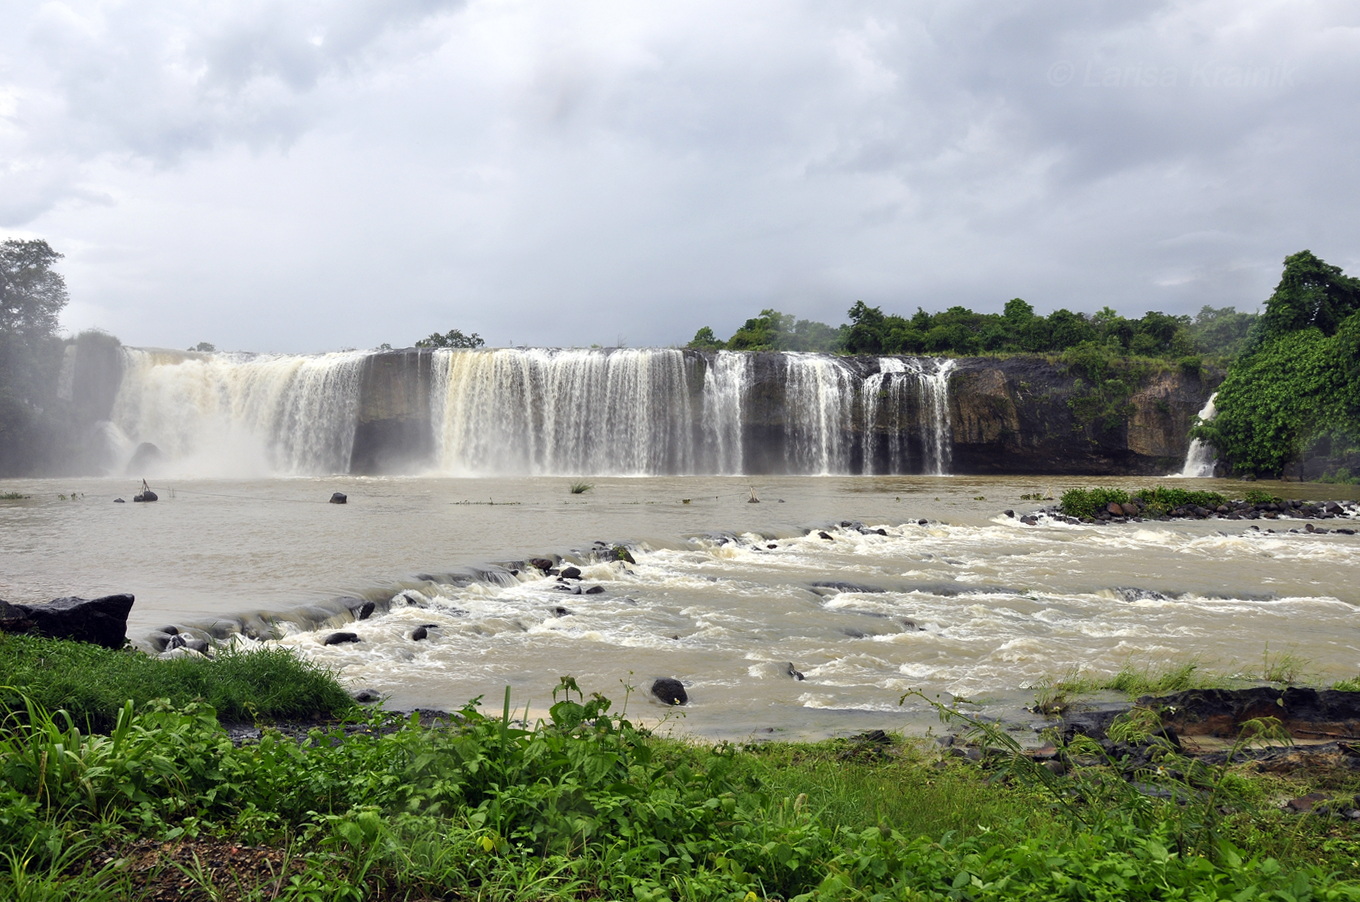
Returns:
<point x="587" y="805"/>
<point x="91" y="683"/>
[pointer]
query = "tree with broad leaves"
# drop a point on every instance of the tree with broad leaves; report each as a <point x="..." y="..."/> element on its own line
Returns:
<point x="454" y="338"/>
<point x="32" y="293"/>
<point x="1311" y="293"/>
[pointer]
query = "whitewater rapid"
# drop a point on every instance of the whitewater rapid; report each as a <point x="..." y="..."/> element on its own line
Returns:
<point x="931" y="586"/>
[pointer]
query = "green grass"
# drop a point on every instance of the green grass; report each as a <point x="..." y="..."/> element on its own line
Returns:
<point x="1135" y="681"/>
<point x="587" y="805"/>
<point x="91" y="683"/>
<point x="12" y="496"/>
<point x="580" y="488"/>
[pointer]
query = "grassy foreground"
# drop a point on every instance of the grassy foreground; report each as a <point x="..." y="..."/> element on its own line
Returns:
<point x="589" y="806"/>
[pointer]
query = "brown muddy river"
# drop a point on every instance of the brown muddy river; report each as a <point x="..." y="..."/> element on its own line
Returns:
<point x="724" y="595"/>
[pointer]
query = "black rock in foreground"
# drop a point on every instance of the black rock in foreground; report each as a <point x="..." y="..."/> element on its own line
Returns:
<point x="100" y="621"/>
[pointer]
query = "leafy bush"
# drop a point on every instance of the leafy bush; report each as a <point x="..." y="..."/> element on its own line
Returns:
<point x="1154" y="502"/>
<point x="1083" y="503"/>
<point x="1160" y="500"/>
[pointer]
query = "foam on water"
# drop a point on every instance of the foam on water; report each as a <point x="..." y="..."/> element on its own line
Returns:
<point x="964" y="604"/>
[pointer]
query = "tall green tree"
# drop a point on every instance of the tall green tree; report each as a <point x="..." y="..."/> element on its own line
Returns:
<point x="32" y="296"/>
<point x="1311" y="293"/>
<point x="32" y="293"/>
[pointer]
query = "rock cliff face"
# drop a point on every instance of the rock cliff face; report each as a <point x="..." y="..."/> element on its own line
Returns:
<point x="1017" y="415"/>
<point x="393" y="432"/>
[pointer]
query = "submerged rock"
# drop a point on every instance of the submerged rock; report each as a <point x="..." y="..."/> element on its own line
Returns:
<point x="341" y="638"/>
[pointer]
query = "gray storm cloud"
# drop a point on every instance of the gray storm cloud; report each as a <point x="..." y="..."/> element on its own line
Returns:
<point x="307" y="176"/>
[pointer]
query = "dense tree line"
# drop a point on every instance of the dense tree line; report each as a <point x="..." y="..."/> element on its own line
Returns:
<point x="1293" y="396"/>
<point x="1214" y="332"/>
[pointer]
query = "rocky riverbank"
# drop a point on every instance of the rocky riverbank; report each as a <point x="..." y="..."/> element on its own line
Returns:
<point x="1276" y="509"/>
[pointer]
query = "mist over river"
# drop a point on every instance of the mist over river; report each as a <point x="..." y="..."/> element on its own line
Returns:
<point x="724" y="594"/>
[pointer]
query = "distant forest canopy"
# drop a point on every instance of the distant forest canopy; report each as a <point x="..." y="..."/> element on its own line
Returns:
<point x="1290" y="402"/>
<point x="1214" y="332"/>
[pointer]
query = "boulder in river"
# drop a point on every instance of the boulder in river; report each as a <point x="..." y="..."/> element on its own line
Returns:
<point x="670" y="691"/>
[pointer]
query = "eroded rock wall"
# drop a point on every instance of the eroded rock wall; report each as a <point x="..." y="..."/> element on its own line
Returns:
<point x="1017" y="416"/>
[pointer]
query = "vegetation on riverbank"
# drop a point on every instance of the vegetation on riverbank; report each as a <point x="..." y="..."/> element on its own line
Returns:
<point x="588" y="805"/>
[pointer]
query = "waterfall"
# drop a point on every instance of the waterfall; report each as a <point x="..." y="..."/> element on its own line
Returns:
<point x="725" y="384"/>
<point x="935" y="392"/>
<point x="1199" y="457"/>
<point x="523" y="411"/>
<point x="818" y="412"/>
<point x="884" y="396"/>
<point x="241" y="415"/>
<point x="562" y="412"/>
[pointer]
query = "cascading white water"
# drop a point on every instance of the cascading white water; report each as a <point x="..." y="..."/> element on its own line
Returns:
<point x="883" y="394"/>
<point x="725" y="384"/>
<point x="1199" y="457"/>
<point x="535" y="412"/>
<point x="935" y="393"/>
<point x="818" y="414"/>
<point x="242" y="415"/>
<point x="565" y="412"/>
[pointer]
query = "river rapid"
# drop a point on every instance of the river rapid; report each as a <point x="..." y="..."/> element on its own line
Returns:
<point x="940" y="592"/>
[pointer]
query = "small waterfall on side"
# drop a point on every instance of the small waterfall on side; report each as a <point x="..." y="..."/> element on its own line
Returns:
<point x="562" y="412"/>
<point x="1199" y="457"/>
<point x="227" y="414"/>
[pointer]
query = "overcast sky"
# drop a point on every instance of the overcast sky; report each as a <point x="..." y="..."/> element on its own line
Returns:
<point x="311" y="175"/>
